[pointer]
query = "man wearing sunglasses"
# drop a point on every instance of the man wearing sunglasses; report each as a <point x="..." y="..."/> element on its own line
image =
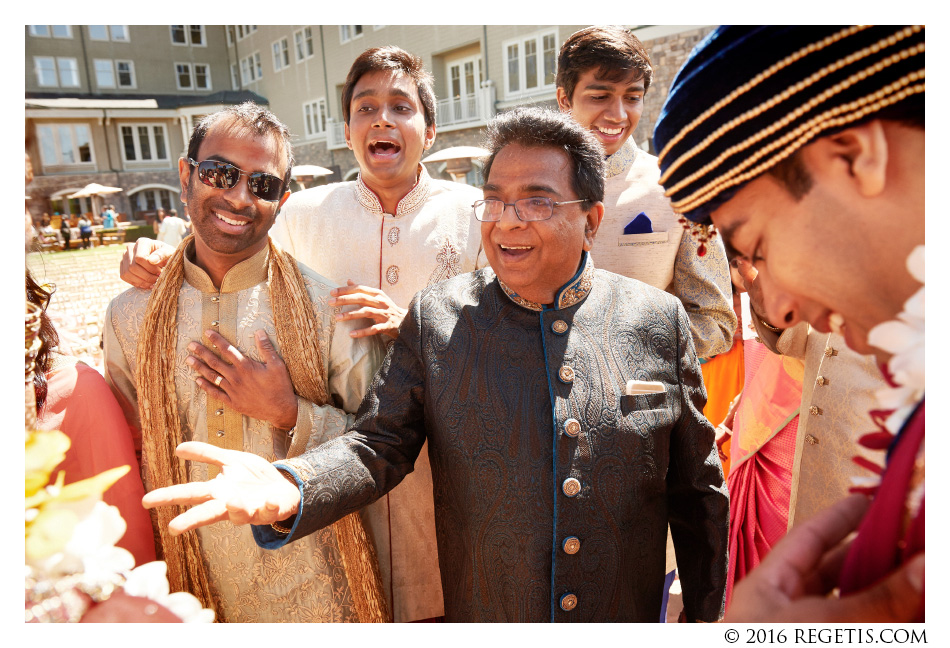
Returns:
<point x="387" y="235"/>
<point x="562" y="405"/>
<point x="236" y="345"/>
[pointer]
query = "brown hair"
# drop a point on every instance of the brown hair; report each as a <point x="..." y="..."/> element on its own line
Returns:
<point x="613" y="51"/>
<point x="391" y="59"/>
<point x="40" y="295"/>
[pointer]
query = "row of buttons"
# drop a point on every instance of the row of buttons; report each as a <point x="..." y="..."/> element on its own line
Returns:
<point x="571" y="487"/>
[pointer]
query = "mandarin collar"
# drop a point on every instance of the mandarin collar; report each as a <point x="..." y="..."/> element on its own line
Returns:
<point x="406" y="205"/>
<point x="242" y="276"/>
<point x="621" y="161"/>
<point x="571" y="293"/>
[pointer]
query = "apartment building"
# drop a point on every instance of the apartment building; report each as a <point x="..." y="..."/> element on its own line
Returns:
<point x="114" y="104"/>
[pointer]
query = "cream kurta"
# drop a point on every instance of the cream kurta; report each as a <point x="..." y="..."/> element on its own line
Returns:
<point x="341" y="231"/>
<point x="305" y="583"/>
<point x="665" y="258"/>
<point x="837" y="394"/>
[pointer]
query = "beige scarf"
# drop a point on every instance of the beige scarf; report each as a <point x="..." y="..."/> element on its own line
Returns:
<point x="298" y="334"/>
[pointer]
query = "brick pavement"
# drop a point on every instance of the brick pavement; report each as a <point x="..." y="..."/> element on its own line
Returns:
<point x="86" y="281"/>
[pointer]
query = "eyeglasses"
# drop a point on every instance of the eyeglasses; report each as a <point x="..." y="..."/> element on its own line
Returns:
<point x="222" y="175"/>
<point x="526" y="209"/>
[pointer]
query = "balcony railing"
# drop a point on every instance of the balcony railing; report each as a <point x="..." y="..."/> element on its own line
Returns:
<point x="465" y="111"/>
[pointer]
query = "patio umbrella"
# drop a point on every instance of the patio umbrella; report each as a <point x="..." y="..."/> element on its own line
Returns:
<point x="458" y="159"/>
<point x="457" y="152"/>
<point x="309" y="170"/>
<point x="94" y="190"/>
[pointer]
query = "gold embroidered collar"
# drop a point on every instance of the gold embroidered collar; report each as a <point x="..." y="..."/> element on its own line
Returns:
<point x="621" y="161"/>
<point x="573" y="292"/>
<point x="406" y="205"/>
<point x="245" y="274"/>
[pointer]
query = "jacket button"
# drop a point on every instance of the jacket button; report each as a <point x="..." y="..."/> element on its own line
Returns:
<point x="815" y="410"/>
<point x="572" y="427"/>
<point x="830" y="351"/>
<point x="568" y="602"/>
<point x="214" y="323"/>
<point x="571" y="545"/>
<point x="220" y="433"/>
<point x="559" y="327"/>
<point x="215" y="299"/>
<point x="566" y="374"/>
<point x="821" y="381"/>
<point x="571" y="487"/>
<point x="811" y="440"/>
<point x="219" y="412"/>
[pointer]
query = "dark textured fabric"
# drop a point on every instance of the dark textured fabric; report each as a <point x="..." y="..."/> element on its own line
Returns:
<point x="478" y="376"/>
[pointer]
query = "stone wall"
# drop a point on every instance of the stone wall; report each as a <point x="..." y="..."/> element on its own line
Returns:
<point x="667" y="55"/>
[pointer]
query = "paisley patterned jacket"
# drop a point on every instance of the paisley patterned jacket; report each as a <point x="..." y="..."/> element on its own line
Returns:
<point x="553" y="489"/>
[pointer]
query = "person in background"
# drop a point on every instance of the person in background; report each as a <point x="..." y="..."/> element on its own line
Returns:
<point x="65" y="231"/>
<point x="73" y="398"/>
<point x="172" y="229"/>
<point x="159" y="217"/>
<point x="85" y="231"/>
<point x="108" y="218"/>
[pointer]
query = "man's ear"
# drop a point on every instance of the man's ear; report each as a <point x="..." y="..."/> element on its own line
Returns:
<point x="563" y="101"/>
<point x="184" y="175"/>
<point x="346" y="135"/>
<point x="594" y="217"/>
<point x="860" y="151"/>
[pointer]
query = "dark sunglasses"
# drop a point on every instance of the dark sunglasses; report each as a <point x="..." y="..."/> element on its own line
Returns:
<point x="222" y="175"/>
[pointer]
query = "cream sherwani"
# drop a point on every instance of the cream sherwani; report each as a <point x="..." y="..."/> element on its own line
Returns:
<point x="665" y="258"/>
<point x="837" y="394"/>
<point x="305" y="583"/>
<point x="341" y="231"/>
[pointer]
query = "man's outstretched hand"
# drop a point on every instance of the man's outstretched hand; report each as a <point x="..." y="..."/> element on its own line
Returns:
<point x="248" y="490"/>
<point x="143" y="262"/>
<point x="792" y="583"/>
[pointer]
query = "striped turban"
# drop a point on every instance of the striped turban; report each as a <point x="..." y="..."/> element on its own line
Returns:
<point x="749" y="97"/>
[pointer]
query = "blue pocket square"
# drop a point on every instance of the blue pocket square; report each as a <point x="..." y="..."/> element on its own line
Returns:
<point x="639" y="225"/>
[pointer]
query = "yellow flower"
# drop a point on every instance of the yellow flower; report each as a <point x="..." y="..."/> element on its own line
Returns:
<point x="44" y="451"/>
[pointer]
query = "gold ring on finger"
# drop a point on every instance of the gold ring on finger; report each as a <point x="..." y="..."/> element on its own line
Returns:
<point x="217" y="381"/>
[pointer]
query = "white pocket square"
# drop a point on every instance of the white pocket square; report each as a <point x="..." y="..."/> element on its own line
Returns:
<point x="637" y="387"/>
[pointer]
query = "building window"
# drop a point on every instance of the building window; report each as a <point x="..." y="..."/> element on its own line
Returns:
<point x="61" y="71"/>
<point x="64" y="144"/>
<point x="183" y="76"/>
<point x="349" y="32"/>
<point x="188" y="35"/>
<point x="151" y="199"/>
<point x="531" y="63"/>
<point x="197" y="33"/>
<point x="315" y="117"/>
<point x="105" y="32"/>
<point x="45" y="67"/>
<point x="303" y="42"/>
<point x="202" y="76"/>
<point x="56" y="31"/>
<point x="105" y="73"/>
<point x="143" y="142"/>
<point x="125" y="71"/>
<point x="281" y="51"/>
<point x="235" y="77"/>
<point x="68" y="72"/>
<point x="251" y="68"/>
<point x="230" y="32"/>
<point x="193" y="76"/>
<point x="243" y="31"/>
<point x="178" y="35"/>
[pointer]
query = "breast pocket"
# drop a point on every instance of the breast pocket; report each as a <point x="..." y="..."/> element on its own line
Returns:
<point x="643" y="403"/>
<point x="638" y="239"/>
